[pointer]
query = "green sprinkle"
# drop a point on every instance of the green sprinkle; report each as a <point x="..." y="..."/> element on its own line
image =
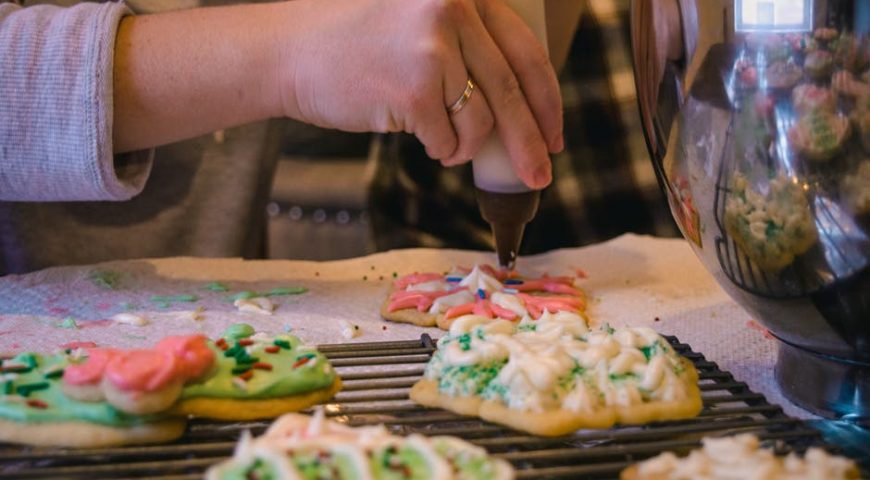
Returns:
<point x="104" y="278"/>
<point x="54" y="374"/>
<point x="649" y="350"/>
<point x="241" y="369"/>
<point x="238" y="331"/>
<point x="26" y="389"/>
<point x="232" y="351"/>
<point x="216" y="287"/>
<point x="163" y="305"/>
<point x="8" y="388"/>
<point x="174" y="298"/>
<point x="127" y="306"/>
<point x="29" y="360"/>
<point x="609" y="329"/>
<point x="247" y="359"/>
<point x="68" y="322"/>
<point x="283" y="344"/>
<point x="285" y="291"/>
<point x="243" y="295"/>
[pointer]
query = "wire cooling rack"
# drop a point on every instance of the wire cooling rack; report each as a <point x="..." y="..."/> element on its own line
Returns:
<point x="377" y="377"/>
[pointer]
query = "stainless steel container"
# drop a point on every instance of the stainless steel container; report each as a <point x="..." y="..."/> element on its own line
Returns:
<point x="761" y="141"/>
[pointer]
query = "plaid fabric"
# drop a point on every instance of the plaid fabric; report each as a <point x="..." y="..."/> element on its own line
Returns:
<point x="603" y="184"/>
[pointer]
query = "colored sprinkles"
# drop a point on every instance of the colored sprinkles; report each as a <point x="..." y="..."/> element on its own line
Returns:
<point x="28" y="388"/>
<point x="262" y="366"/>
<point x="303" y="360"/>
<point x="36" y="403"/>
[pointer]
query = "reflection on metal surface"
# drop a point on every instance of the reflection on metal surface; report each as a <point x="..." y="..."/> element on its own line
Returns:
<point x="766" y="164"/>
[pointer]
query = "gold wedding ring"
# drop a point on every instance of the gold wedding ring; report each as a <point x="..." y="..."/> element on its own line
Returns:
<point x="459" y="104"/>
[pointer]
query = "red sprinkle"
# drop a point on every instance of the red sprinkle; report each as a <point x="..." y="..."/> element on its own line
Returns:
<point x="37" y="404"/>
<point x="247" y="375"/>
<point x="221" y="343"/>
<point x="246" y="342"/>
<point x="262" y="366"/>
<point x="272" y="349"/>
<point x="301" y="361"/>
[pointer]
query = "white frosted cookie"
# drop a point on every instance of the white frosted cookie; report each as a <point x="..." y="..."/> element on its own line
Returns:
<point x="552" y="376"/>
<point x="301" y="447"/>
<point x="742" y="457"/>
<point x="430" y="299"/>
<point x="772" y="228"/>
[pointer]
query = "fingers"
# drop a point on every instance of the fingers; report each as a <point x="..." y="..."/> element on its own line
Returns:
<point x="531" y="65"/>
<point x="452" y="138"/>
<point x="473" y="123"/>
<point x="516" y="124"/>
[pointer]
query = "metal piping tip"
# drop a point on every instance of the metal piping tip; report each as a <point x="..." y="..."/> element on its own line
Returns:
<point x="508" y="214"/>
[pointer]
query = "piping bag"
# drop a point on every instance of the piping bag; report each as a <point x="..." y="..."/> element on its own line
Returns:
<point x="504" y="200"/>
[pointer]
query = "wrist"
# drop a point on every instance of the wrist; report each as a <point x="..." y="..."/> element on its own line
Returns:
<point x="275" y="43"/>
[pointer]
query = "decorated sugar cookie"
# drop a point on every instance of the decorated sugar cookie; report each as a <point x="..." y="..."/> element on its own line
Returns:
<point x="742" y="456"/>
<point x="259" y="376"/>
<point x="301" y="447"/>
<point x="552" y="376"/>
<point x="34" y="409"/>
<point x="429" y="299"/>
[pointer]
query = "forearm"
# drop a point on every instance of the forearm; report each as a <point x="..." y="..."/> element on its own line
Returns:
<point x="181" y="74"/>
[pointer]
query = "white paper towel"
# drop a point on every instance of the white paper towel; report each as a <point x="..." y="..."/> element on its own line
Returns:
<point x="632" y="280"/>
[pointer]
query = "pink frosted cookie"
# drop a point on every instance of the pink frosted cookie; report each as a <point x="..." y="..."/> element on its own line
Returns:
<point x="818" y="64"/>
<point x="808" y="98"/>
<point x="429" y="299"/>
<point x="783" y="75"/>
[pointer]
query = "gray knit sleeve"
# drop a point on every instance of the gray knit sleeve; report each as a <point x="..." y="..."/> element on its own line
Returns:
<point x="56" y="106"/>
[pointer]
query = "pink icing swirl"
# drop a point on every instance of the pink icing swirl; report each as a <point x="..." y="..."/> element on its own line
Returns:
<point x="143" y="370"/>
<point x="193" y="354"/>
<point x="90" y="372"/>
<point x="420" y="300"/>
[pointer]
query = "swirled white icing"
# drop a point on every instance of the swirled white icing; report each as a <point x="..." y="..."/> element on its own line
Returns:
<point x="442" y="304"/>
<point x="741" y="457"/>
<point x="557" y="362"/>
<point x="365" y="450"/>
<point x="478" y="280"/>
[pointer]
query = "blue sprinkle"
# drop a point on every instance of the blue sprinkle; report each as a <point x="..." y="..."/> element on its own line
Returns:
<point x="510" y="290"/>
<point x="513" y="281"/>
<point x="287" y="328"/>
<point x="481" y="293"/>
<point x="454" y="279"/>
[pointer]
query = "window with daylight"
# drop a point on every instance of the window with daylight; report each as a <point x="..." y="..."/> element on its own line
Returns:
<point x="773" y="15"/>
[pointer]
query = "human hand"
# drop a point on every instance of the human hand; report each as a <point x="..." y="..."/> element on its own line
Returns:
<point x="395" y="65"/>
